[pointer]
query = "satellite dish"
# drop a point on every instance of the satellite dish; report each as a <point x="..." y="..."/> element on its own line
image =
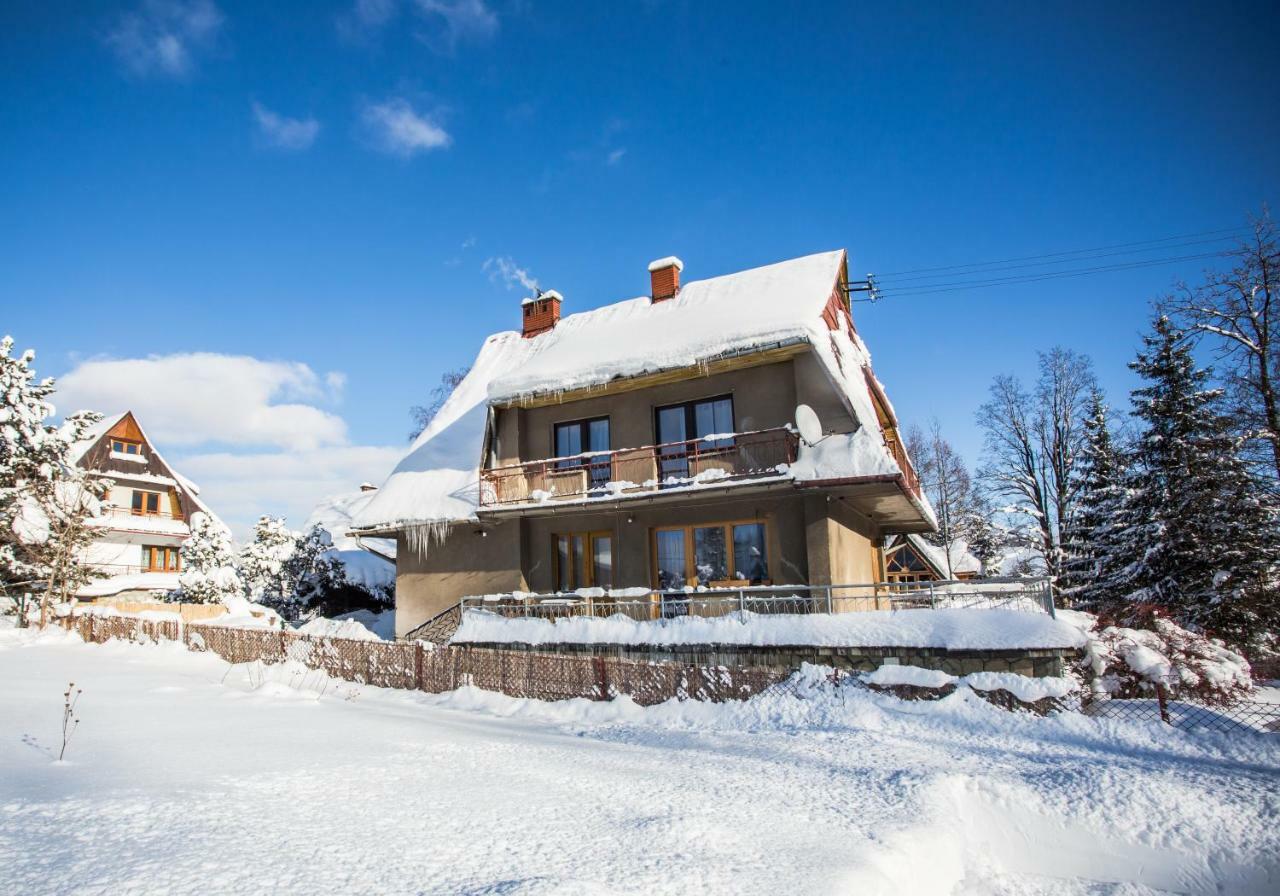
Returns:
<point x="808" y="424"/>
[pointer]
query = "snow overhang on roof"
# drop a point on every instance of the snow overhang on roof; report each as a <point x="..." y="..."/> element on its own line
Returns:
<point x="779" y="304"/>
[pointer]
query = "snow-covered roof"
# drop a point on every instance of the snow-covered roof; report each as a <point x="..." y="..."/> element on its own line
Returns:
<point x="958" y="551"/>
<point x="776" y="305"/>
<point x="335" y="515"/>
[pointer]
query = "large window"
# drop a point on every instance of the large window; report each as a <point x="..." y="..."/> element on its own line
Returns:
<point x="159" y="558"/>
<point x="679" y="423"/>
<point x="714" y="555"/>
<point x="905" y="565"/>
<point x="124" y="446"/>
<point x="582" y="560"/>
<point x="581" y="437"/>
<point x="146" y="503"/>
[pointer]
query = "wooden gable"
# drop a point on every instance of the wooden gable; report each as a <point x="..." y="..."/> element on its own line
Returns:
<point x="127" y="428"/>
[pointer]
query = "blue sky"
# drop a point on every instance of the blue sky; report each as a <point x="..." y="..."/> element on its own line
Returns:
<point x="316" y="189"/>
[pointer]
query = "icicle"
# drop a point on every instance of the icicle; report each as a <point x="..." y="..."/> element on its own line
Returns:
<point x="421" y="537"/>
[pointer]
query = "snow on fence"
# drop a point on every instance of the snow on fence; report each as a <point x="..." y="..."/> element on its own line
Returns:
<point x="414" y="665"/>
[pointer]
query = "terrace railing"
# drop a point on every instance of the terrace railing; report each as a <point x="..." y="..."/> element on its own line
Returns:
<point x="1031" y="595"/>
<point x="730" y="457"/>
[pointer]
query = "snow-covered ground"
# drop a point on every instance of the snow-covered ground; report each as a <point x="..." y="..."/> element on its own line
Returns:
<point x="187" y="777"/>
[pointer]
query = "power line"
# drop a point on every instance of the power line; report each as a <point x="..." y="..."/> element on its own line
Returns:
<point x="1224" y="233"/>
<point x="961" y="285"/>
<point x="1060" y="261"/>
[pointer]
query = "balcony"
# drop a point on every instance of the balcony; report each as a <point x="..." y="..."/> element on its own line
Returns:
<point x="715" y="459"/>
<point x="909" y="475"/>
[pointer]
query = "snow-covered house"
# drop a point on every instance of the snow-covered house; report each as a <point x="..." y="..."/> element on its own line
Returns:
<point x="912" y="558"/>
<point x="146" y="516"/>
<point x="653" y="443"/>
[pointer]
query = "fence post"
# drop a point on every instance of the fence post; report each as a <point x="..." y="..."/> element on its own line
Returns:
<point x="417" y="665"/>
<point x="933" y="598"/>
<point x="742" y="606"/>
<point x="829" y="607"/>
<point x="1162" y="698"/>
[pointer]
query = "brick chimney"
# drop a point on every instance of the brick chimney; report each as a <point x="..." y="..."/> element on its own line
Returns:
<point x="664" y="278"/>
<point x="540" y="313"/>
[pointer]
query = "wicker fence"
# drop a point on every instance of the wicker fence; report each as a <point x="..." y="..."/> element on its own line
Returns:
<point x="413" y="665"/>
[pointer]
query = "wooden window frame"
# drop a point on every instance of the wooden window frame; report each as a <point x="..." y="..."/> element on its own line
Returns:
<point x="125" y="445"/>
<point x="143" y="511"/>
<point x="170" y="557"/>
<point x="691" y="574"/>
<point x="584" y="577"/>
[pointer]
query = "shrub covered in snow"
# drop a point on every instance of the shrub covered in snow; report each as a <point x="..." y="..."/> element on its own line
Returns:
<point x="1130" y="662"/>
<point x="209" y="574"/>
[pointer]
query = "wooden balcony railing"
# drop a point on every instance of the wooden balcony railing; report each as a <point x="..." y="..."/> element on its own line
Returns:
<point x="634" y="470"/>
<point x="904" y="463"/>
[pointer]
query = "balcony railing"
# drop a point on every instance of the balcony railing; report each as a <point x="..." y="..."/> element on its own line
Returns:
<point x="904" y="463"/>
<point x="642" y="605"/>
<point x="112" y="511"/>
<point x="731" y="457"/>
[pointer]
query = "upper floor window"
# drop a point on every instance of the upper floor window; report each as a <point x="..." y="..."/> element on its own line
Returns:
<point x="124" y="446"/>
<point x="675" y="424"/>
<point x="577" y="437"/>
<point x="146" y="503"/>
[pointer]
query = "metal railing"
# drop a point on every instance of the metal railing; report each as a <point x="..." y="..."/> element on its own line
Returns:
<point x="647" y="469"/>
<point x="1032" y="595"/>
<point x="121" y="569"/>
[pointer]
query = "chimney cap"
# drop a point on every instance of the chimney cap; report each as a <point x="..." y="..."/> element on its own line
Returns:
<point x="548" y="294"/>
<point x="669" y="262"/>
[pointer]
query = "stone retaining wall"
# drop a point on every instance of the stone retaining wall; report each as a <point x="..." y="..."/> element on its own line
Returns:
<point x="1038" y="663"/>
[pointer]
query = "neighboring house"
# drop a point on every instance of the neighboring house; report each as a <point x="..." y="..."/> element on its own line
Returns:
<point x="146" y="516"/>
<point x="369" y="563"/>
<point x="911" y="558"/>
<point x="650" y="444"/>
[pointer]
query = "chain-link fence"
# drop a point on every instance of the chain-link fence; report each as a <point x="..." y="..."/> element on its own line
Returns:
<point x="414" y="665"/>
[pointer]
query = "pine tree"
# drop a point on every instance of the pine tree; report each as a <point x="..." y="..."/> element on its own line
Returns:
<point x="1088" y="534"/>
<point x="45" y="499"/>
<point x="283" y="569"/>
<point x="1194" y="533"/>
<point x="209" y="574"/>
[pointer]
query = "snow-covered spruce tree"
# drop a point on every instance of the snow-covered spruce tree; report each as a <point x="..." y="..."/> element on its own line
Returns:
<point x="1088" y="534"/>
<point x="1194" y="534"/>
<point x="284" y="569"/>
<point x="209" y="572"/>
<point x="45" y="499"/>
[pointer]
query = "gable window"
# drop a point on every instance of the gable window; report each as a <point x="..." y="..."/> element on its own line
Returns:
<point x="576" y="437"/>
<point x="125" y="446"/>
<point x="675" y="425"/>
<point x="905" y="565"/>
<point x="146" y="503"/>
<point x="159" y="558"/>
<point x="582" y="560"/>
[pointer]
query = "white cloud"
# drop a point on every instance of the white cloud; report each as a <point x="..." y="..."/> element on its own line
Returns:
<point x="615" y="156"/>
<point x="242" y="487"/>
<point x="284" y="132"/>
<point x="461" y="19"/>
<point x="163" y="36"/>
<point x="247" y="431"/>
<point x="203" y="398"/>
<point x="396" y="128"/>
<point x="505" y="269"/>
